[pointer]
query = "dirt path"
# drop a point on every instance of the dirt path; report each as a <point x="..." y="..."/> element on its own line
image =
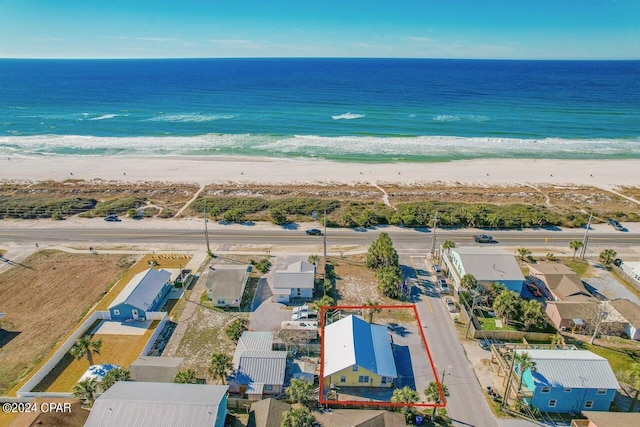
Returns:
<point x="186" y="205"/>
<point x="385" y="196"/>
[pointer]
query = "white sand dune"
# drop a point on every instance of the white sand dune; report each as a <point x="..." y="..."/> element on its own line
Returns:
<point x="205" y="170"/>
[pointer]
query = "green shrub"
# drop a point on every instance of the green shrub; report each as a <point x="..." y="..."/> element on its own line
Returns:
<point x="236" y="328"/>
<point x="118" y="206"/>
<point x="278" y="216"/>
<point x="234" y="215"/>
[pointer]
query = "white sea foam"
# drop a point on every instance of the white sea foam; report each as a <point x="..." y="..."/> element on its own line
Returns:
<point x="452" y="118"/>
<point x="108" y="116"/>
<point x="190" y="117"/>
<point x="322" y="146"/>
<point x="347" y="116"/>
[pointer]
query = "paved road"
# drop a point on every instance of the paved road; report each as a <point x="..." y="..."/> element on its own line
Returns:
<point x="466" y="404"/>
<point x="404" y="239"/>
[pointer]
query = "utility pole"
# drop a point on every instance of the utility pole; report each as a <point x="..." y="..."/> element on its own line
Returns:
<point x="473" y="307"/>
<point x="433" y="242"/>
<point x="206" y="230"/>
<point x="325" y="235"/>
<point x="585" y="240"/>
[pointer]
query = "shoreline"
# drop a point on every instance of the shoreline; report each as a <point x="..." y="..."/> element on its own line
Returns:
<point x="260" y="170"/>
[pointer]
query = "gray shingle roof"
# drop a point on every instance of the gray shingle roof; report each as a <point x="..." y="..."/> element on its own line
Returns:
<point x="144" y="404"/>
<point x="228" y="281"/>
<point x="297" y="275"/>
<point x="143" y="289"/>
<point x="572" y="368"/>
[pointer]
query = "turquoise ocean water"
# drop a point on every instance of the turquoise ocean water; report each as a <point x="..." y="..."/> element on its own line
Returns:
<point x="376" y="110"/>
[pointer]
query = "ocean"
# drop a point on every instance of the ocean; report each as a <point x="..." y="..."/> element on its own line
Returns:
<point x="368" y="110"/>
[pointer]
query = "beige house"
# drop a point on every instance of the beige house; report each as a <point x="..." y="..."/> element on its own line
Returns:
<point x="560" y="281"/>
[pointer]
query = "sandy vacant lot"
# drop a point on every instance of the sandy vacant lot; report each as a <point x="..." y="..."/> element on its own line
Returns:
<point x="43" y="299"/>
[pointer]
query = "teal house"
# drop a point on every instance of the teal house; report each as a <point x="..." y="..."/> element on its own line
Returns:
<point x="142" y="294"/>
<point x="568" y="381"/>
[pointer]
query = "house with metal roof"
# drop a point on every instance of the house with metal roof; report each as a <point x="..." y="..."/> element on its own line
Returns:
<point x="226" y="284"/>
<point x="145" y="404"/>
<point x="357" y="353"/>
<point x="567" y="381"/>
<point x="607" y="419"/>
<point x="258" y="370"/>
<point x="560" y="281"/>
<point x="488" y="265"/>
<point x="297" y="281"/>
<point x="144" y="293"/>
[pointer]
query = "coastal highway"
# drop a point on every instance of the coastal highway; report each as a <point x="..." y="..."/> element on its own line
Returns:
<point x="404" y="239"/>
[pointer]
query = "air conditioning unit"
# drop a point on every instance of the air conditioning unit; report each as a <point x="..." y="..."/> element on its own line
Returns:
<point x="563" y="328"/>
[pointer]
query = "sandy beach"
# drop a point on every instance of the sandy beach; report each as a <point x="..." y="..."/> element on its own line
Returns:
<point x="207" y="170"/>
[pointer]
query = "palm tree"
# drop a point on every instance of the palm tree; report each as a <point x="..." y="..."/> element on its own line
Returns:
<point x="557" y="339"/>
<point x="524" y="362"/>
<point x="300" y="390"/>
<point x="325" y="301"/>
<point x="575" y="245"/>
<point x="447" y="245"/>
<point x="186" y="376"/>
<point x="86" y="390"/>
<point x="117" y="374"/>
<point x="312" y="259"/>
<point x="405" y="395"/>
<point x="532" y="313"/>
<point x="372" y="311"/>
<point x="298" y="416"/>
<point x="85" y="347"/>
<point x="468" y="282"/>
<point x="220" y="365"/>
<point x="551" y="257"/>
<point x="433" y="393"/>
<point x="523" y="253"/>
<point x="607" y="257"/>
<point x="506" y="305"/>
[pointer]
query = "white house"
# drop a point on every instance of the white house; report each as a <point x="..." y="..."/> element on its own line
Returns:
<point x="226" y="284"/>
<point x="487" y="264"/>
<point x="297" y="281"/>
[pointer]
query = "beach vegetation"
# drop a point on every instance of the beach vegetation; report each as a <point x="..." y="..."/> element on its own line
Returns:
<point x="389" y="281"/>
<point x="234" y="215"/>
<point x="607" y="257"/>
<point x="278" y="216"/>
<point x="118" y="206"/>
<point x="114" y="375"/>
<point x="186" y="376"/>
<point x="381" y="253"/>
<point x="298" y="416"/>
<point x="34" y="208"/>
<point x="262" y="266"/>
<point x="236" y="328"/>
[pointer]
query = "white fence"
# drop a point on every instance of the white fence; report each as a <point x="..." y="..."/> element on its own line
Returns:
<point x="25" y="390"/>
<point x="154" y="315"/>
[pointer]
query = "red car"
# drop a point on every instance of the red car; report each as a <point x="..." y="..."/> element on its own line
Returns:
<point x="534" y="290"/>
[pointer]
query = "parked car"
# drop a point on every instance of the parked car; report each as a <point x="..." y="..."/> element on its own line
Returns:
<point x="482" y="238"/>
<point x="302" y="309"/>
<point x="112" y="218"/>
<point x="615" y="224"/>
<point x="444" y="287"/>
<point x="534" y="290"/>
<point x="451" y="305"/>
<point x="313" y="232"/>
<point x="437" y="269"/>
<point x="305" y="315"/>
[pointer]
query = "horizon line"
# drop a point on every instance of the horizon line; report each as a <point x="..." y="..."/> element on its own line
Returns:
<point x="314" y="57"/>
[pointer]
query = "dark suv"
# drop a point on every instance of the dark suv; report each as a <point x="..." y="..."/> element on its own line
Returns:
<point x="615" y="224"/>
<point x="482" y="238"/>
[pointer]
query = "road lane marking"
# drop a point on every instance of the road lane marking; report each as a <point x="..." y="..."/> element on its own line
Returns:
<point x="415" y="270"/>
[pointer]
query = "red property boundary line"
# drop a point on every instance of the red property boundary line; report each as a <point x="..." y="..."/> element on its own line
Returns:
<point x="321" y="398"/>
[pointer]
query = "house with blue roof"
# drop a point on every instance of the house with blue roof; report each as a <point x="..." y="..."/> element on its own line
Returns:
<point x="566" y="381"/>
<point x="144" y="293"/>
<point x="357" y="353"/>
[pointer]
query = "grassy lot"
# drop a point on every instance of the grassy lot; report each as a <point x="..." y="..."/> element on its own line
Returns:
<point x="619" y="359"/>
<point x="580" y="266"/>
<point x="44" y="301"/>
<point x="116" y="349"/>
<point x="489" y="324"/>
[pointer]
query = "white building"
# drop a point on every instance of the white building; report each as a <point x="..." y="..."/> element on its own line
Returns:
<point x="297" y="281"/>
<point x="488" y="265"/>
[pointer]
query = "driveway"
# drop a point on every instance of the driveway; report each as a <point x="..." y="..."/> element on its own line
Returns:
<point x="267" y="315"/>
<point x="606" y="284"/>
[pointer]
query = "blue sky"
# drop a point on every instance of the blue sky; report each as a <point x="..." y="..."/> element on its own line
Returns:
<point x="529" y="29"/>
